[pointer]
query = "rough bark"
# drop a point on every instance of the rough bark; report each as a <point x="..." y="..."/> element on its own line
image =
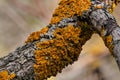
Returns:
<point x="21" y="61"/>
<point x="107" y="27"/>
<point x="22" y="64"/>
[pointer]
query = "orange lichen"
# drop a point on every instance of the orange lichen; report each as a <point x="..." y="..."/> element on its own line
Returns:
<point x="53" y="55"/>
<point x="69" y="8"/>
<point x="98" y="6"/>
<point x="36" y="35"/>
<point x="109" y="39"/>
<point x="4" y="75"/>
<point x="113" y="5"/>
<point x="55" y="20"/>
<point x="108" y="42"/>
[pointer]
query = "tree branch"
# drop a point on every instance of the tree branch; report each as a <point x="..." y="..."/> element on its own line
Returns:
<point x="106" y="25"/>
<point x="66" y="50"/>
<point x="49" y="50"/>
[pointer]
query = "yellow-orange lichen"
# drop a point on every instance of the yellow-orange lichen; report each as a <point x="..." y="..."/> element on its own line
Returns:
<point x="109" y="39"/>
<point x="36" y="35"/>
<point x="53" y="55"/>
<point x="114" y="4"/>
<point x="108" y="42"/>
<point x="69" y="8"/>
<point x="55" y="20"/>
<point x="4" y="75"/>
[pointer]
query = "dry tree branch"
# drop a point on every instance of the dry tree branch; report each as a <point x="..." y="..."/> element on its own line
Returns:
<point x="49" y="50"/>
<point x="109" y="30"/>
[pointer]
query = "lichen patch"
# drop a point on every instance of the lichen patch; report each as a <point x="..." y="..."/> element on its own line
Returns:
<point x="53" y="55"/>
<point x="4" y="75"/>
<point x="69" y="8"/>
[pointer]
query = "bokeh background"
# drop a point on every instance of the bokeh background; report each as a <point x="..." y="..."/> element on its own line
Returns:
<point x="19" y="18"/>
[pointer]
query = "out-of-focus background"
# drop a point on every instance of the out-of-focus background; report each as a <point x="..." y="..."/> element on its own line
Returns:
<point x="19" y="18"/>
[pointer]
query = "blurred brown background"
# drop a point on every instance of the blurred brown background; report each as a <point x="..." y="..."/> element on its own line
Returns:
<point x="19" y="18"/>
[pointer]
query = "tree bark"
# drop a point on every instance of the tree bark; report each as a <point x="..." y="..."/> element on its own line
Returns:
<point x="48" y="53"/>
<point x="21" y="62"/>
<point x="105" y="24"/>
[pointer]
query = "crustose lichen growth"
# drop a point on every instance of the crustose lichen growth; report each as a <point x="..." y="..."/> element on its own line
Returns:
<point x="53" y="55"/>
<point x="69" y="8"/>
<point x="4" y="75"/>
<point x="60" y="43"/>
<point x="36" y="35"/>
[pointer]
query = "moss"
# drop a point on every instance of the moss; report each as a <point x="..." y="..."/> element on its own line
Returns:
<point x="36" y="35"/>
<point x="69" y="8"/>
<point x="4" y="75"/>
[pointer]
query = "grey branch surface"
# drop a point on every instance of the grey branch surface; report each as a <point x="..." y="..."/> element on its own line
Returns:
<point x="101" y="19"/>
<point x="20" y="62"/>
<point x="22" y="59"/>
